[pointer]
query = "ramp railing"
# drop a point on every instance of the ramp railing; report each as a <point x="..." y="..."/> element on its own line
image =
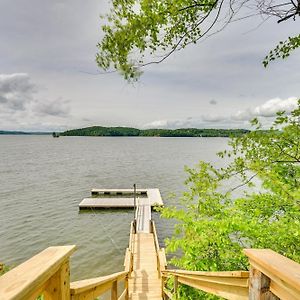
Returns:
<point x="160" y="252"/>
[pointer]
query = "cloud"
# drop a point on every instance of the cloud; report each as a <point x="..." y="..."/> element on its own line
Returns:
<point x="213" y="102"/>
<point x="157" y="124"/>
<point x="240" y="119"/>
<point x="186" y="123"/>
<point x="174" y="124"/>
<point x="58" y="108"/>
<point x="16" y="91"/>
<point x="213" y="118"/>
<point x="267" y="109"/>
<point x="21" y="107"/>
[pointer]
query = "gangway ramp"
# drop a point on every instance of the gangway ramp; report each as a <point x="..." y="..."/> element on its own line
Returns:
<point x="145" y="281"/>
<point x="147" y="262"/>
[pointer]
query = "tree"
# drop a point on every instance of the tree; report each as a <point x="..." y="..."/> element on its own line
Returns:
<point x="136" y="28"/>
<point x="213" y="226"/>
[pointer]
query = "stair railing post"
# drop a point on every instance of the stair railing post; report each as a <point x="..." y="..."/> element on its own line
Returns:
<point x="134" y="202"/>
<point x="259" y="286"/>
<point x="114" y="290"/>
<point x="126" y="287"/>
<point x="175" y="287"/>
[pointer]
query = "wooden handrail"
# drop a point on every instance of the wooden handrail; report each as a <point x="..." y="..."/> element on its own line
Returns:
<point x="155" y="236"/>
<point x="228" y="284"/>
<point x="273" y="275"/>
<point x="94" y="287"/>
<point x="160" y="252"/>
<point x="128" y="261"/>
<point x="231" y="274"/>
<point x="45" y="273"/>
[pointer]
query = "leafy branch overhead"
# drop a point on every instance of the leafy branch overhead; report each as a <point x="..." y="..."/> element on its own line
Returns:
<point x="137" y="29"/>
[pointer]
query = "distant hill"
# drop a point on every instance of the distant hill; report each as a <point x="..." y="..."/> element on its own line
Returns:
<point x="128" y="131"/>
<point x="23" y="133"/>
<point x="12" y="132"/>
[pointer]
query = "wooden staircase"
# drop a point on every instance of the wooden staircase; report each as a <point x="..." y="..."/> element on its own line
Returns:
<point x="272" y="276"/>
<point x="145" y="282"/>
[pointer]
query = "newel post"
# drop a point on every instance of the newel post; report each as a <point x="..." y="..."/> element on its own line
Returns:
<point x="59" y="284"/>
<point x="259" y="283"/>
<point x="259" y="286"/>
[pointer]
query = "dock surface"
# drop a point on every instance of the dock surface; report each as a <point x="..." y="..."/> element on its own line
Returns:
<point x="144" y="282"/>
<point x="121" y="198"/>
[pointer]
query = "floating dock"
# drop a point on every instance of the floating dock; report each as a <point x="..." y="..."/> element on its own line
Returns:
<point x="141" y="260"/>
<point x="121" y="198"/>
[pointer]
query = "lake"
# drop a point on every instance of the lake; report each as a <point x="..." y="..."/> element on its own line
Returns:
<point x="42" y="181"/>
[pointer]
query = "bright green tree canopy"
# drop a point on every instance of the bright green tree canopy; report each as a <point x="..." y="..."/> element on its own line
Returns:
<point x="213" y="226"/>
<point x="137" y="28"/>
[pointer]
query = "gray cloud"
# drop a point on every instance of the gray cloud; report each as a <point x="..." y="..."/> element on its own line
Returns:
<point x="213" y="102"/>
<point x="16" y="91"/>
<point x="23" y="108"/>
<point x="58" y="108"/>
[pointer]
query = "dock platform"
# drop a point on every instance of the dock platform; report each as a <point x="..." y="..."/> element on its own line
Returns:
<point x="121" y="198"/>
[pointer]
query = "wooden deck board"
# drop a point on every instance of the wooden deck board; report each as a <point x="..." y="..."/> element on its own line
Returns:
<point x="144" y="282"/>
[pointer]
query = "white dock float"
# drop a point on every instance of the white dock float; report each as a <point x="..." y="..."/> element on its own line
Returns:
<point x="121" y="198"/>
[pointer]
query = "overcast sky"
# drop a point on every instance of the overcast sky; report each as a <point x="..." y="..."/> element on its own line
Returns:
<point x="48" y="81"/>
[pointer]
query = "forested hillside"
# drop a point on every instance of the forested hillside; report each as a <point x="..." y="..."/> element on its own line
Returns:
<point x="128" y="131"/>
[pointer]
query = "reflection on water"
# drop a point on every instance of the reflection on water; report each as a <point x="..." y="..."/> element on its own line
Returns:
<point x="42" y="181"/>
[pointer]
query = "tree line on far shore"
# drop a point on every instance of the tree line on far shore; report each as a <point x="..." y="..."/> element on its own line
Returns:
<point x="128" y="131"/>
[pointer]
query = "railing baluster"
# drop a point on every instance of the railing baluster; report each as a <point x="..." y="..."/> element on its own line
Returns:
<point x="114" y="290"/>
<point x="126" y="288"/>
<point x="176" y="287"/>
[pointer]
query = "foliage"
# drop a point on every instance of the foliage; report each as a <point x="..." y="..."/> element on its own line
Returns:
<point x="3" y="268"/>
<point x="213" y="226"/>
<point x="283" y="49"/>
<point x="127" y="131"/>
<point x="135" y="29"/>
<point x="137" y="26"/>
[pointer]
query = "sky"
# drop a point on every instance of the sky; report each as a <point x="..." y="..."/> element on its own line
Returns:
<point x="49" y="80"/>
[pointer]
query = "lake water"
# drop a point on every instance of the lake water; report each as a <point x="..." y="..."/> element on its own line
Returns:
<point x="42" y="181"/>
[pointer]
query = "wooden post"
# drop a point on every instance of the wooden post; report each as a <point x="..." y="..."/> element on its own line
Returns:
<point x="126" y="287"/>
<point x="259" y="286"/>
<point x="59" y="284"/>
<point x="176" y="287"/>
<point x="162" y="287"/>
<point x="114" y="290"/>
